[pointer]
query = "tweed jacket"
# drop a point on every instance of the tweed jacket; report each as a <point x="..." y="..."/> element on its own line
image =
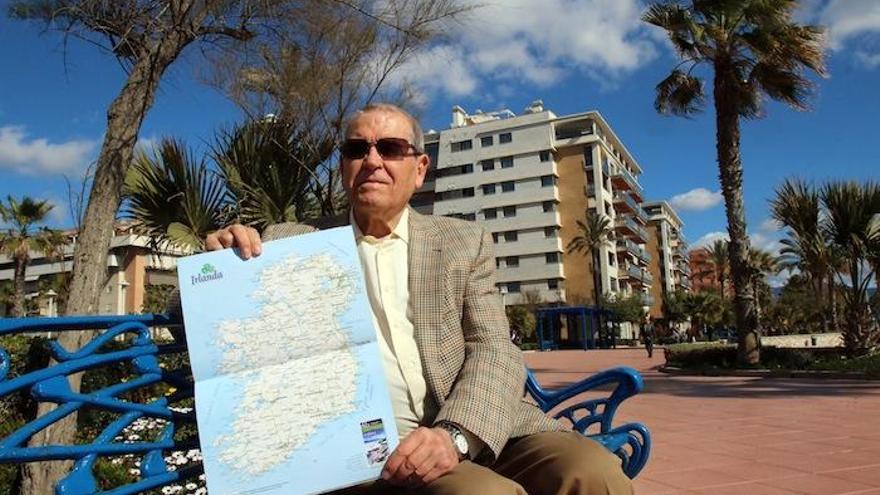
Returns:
<point x="472" y="370"/>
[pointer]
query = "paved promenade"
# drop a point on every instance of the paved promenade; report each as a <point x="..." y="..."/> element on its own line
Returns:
<point x="749" y="436"/>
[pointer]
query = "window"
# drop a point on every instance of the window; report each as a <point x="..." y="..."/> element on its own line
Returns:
<point x="512" y="261"/>
<point x="467" y="192"/>
<point x="551" y="257"/>
<point x="610" y="258"/>
<point x="588" y="156"/>
<point x="488" y="165"/>
<point x="507" y="162"/>
<point x="510" y="236"/>
<point x="507" y="186"/>
<point x="614" y="285"/>
<point x="470" y="217"/>
<point x="505" y="137"/>
<point x="488" y="188"/>
<point x="467" y="168"/>
<point x="497" y="263"/>
<point x="462" y="145"/>
<point x="513" y="287"/>
<point x="548" y="180"/>
<point x="552" y="283"/>
<point x="549" y="206"/>
<point x="486" y="141"/>
<point x="544" y="156"/>
<point x="509" y="211"/>
<point x="549" y="231"/>
<point x="495" y="237"/>
<point x="490" y="213"/>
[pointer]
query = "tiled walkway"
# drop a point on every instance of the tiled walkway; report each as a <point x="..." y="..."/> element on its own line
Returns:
<point x="749" y="436"/>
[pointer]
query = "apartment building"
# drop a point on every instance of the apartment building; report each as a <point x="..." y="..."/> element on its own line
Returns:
<point x="529" y="179"/>
<point x="669" y="267"/>
<point x="133" y="263"/>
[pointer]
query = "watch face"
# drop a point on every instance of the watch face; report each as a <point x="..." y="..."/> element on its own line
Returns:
<point x="461" y="443"/>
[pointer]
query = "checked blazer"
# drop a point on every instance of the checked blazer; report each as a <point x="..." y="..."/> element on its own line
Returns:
<point x="473" y="372"/>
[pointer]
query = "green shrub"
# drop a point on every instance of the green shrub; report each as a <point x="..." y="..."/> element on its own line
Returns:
<point x="719" y="356"/>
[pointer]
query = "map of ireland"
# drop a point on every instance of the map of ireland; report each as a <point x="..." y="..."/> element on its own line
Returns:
<point x="290" y="394"/>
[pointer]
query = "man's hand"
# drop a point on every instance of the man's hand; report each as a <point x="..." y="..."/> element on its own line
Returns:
<point x="246" y="239"/>
<point x="423" y="456"/>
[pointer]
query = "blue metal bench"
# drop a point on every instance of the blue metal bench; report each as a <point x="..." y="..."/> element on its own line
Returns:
<point x="156" y="467"/>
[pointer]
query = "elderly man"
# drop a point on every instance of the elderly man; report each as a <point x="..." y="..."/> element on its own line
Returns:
<point x="456" y="381"/>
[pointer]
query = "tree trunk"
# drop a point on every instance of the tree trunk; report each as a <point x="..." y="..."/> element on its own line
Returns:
<point x="597" y="277"/>
<point x="731" y="173"/>
<point x="832" y="304"/>
<point x="18" y="296"/>
<point x="124" y="119"/>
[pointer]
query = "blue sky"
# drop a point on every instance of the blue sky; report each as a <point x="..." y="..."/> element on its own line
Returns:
<point x="597" y="56"/>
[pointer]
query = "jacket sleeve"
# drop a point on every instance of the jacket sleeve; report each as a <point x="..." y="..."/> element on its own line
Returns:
<point x="485" y="397"/>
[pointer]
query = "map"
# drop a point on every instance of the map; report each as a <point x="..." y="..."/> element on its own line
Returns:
<point x="290" y="392"/>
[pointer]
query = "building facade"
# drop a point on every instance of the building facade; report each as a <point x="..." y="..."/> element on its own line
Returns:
<point x="133" y="264"/>
<point x="670" y="264"/>
<point x="529" y="179"/>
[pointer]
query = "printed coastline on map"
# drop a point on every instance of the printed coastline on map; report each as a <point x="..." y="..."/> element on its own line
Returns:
<point x="289" y="388"/>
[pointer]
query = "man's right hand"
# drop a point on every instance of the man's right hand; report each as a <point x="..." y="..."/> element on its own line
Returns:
<point x="246" y="239"/>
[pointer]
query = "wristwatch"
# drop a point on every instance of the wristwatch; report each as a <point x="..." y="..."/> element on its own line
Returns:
<point x="459" y="441"/>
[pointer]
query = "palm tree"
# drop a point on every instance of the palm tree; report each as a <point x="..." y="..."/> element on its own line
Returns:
<point x="754" y="50"/>
<point x="854" y="229"/>
<point x="271" y="170"/>
<point x="174" y="196"/>
<point x="797" y="206"/>
<point x="595" y="231"/>
<point x="763" y="264"/>
<point x="23" y="237"/>
<point x="719" y="256"/>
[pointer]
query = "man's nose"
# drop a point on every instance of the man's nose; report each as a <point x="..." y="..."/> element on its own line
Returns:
<point x="373" y="159"/>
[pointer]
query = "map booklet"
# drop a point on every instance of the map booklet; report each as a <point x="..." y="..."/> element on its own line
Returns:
<point x="289" y="387"/>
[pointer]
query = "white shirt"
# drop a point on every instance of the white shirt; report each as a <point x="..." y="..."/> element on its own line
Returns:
<point x="385" y="263"/>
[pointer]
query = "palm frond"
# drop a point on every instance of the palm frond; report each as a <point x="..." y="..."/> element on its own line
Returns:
<point x="679" y="94"/>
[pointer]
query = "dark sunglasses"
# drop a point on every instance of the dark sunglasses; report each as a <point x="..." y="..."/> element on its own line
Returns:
<point x="388" y="148"/>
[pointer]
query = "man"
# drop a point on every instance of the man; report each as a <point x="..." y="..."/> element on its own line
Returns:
<point x="455" y="379"/>
<point x="649" y="333"/>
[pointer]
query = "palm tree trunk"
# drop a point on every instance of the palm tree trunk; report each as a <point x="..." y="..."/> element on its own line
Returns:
<point x="124" y="119"/>
<point x="597" y="277"/>
<point x="832" y="305"/>
<point x="18" y="295"/>
<point x="730" y="169"/>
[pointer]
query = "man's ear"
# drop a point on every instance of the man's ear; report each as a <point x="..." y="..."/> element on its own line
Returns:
<point x="423" y="163"/>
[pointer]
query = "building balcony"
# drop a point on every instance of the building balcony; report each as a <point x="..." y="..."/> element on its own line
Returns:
<point x="683" y="267"/>
<point x="628" y="246"/>
<point x="625" y="203"/>
<point x="624" y="179"/>
<point x="647" y="299"/>
<point x="637" y="274"/>
<point x="629" y="227"/>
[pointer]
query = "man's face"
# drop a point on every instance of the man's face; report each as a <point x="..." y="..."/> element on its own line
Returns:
<point x="377" y="185"/>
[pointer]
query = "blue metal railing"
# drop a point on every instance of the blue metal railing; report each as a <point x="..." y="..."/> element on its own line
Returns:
<point x="127" y="342"/>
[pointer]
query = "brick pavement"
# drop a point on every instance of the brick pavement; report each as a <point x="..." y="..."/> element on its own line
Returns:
<point x="733" y="435"/>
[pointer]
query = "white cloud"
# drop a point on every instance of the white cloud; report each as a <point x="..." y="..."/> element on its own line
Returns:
<point x="698" y="199"/>
<point x="708" y="239"/>
<point x="770" y="225"/>
<point x="537" y="43"/>
<point x="846" y="21"/>
<point x="27" y="155"/>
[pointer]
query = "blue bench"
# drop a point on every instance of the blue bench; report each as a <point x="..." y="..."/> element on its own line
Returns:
<point x="127" y="341"/>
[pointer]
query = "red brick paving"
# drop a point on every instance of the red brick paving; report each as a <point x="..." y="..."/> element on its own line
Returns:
<point x="738" y="435"/>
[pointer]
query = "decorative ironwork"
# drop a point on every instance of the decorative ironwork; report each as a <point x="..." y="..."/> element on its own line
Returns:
<point x="129" y="341"/>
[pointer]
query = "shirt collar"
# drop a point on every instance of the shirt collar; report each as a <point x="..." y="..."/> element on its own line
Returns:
<point x="400" y="231"/>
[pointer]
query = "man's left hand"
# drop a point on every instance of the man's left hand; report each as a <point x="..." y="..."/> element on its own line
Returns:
<point x="423" y="456"/>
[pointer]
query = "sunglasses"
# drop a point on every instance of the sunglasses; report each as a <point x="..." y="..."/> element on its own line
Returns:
<point x="388" y="148"/>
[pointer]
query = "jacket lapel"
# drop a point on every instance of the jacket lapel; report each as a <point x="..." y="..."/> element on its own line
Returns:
<point x="427" y="296"/>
